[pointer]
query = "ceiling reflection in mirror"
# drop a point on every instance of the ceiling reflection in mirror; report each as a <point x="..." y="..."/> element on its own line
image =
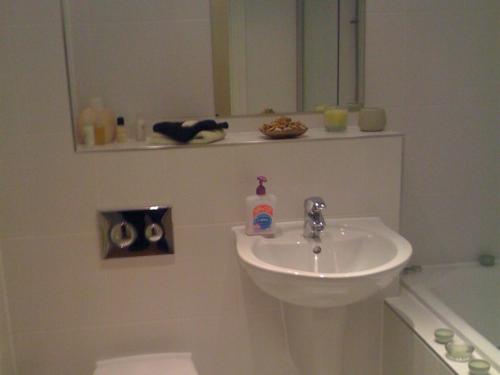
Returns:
<point x="173" y="59"/>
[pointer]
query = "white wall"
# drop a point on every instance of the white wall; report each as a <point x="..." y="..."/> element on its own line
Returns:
<point x="435" y="66"/>
<point x="70" y="308"/>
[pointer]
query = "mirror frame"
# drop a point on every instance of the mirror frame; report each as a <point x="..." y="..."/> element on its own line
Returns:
<point x="360" y="38"/>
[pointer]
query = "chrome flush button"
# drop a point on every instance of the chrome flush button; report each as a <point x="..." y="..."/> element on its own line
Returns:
<point x="153" y="232"/>
<point x="123" y="234"/>
<point x="136" y="232"/>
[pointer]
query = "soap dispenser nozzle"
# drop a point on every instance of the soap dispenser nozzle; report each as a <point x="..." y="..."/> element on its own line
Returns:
<point x="261" y="189"/>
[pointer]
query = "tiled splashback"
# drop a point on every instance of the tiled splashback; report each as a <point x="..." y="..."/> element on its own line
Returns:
<point x="197" y="299"/>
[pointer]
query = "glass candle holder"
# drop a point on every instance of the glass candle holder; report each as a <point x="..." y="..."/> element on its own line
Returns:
<point x="372" y="119"/>
<point x="459" y="351"/>
<point x="443" y="335"/>
<point x="479" y="367"/>
<point x="335" y="118"/>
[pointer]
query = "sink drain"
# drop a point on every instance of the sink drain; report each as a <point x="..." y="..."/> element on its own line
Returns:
<point x="317" y="250"/>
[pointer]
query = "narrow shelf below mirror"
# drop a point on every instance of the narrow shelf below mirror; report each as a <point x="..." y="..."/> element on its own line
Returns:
<point x="241" y="138"/>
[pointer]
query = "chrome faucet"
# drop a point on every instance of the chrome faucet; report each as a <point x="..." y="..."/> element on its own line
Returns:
<point x="314" y="222"/>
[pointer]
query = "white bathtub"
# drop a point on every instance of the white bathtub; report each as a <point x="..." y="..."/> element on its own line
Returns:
<point x="466" y="298"/>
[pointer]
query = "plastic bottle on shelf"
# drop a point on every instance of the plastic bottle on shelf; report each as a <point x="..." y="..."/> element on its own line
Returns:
<point x="101" y="118"/>
<point x="140" y="129"/>
<point x="121" y="131"/>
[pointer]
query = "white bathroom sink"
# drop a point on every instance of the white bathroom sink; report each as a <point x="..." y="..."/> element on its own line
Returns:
<point x="358" y="257"/>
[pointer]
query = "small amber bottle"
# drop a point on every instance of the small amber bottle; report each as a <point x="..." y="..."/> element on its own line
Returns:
<point x="100" y="133"/>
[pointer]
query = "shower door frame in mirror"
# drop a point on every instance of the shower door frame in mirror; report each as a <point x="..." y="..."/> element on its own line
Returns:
<point x="324" y="66"/>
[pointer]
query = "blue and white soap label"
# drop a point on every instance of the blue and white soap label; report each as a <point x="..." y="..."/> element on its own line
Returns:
<point x="262" y="217"/>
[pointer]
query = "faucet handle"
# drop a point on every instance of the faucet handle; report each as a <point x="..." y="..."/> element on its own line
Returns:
<point x="314" y="204"/>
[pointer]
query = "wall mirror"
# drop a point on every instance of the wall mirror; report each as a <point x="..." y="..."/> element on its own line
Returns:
<point x="175" y="59"/>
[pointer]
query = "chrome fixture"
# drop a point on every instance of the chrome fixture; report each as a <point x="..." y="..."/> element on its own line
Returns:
<point x="314" y="222"/>
<point x="136" y="232"/>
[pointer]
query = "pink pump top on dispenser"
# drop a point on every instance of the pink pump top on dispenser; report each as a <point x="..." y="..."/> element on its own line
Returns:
<point x="261" y="189"/>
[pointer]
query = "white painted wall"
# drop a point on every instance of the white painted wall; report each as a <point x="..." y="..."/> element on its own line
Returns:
<point x="434" y="65"/>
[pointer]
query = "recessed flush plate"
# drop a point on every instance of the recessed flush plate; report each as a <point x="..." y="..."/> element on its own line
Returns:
<point x="136" y="232"/>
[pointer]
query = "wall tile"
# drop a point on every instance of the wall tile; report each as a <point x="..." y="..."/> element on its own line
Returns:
<point x="124" y="291"/>
<point x="40" y="94"/>
<point x="185" y="91"/>
<point x="45" y="298"/>
<point x="315" y="168"/>
<point x="166" y="177"/>
<point x="390" y="6"/>
<point x="76" y="351"/>
<point x="3" y="14"/>
<point x="78" y="288"/>
<point x="489" y="5"/>
<point x="241" y="341"/>
<point x="446" y="6"/>
<point x="106" y="11"/>
<point x="30" y="12"/>
<point x="434" y="57"/>
<point x="480" y="73"/>
<point x="47" y="188"/>
<point x="454" y="162"/>
<point x="202" y="271"/>
<point x="205" y="181"/>
<point x="451" y="223"/>
<point x="386" y="45"/>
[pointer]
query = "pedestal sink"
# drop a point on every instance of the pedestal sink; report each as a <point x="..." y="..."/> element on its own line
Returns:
<point x="353" y="259"/>
<point x="317" y="278"/>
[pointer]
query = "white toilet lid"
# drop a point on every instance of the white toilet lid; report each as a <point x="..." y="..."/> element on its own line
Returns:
<point x="150" y="364"/>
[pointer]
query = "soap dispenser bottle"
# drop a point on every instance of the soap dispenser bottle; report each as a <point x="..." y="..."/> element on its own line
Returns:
<point x="260" y="211"/>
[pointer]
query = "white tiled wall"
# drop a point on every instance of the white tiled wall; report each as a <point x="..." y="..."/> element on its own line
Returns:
<point x="435" y="66"/>
<point x="151" y="58"/>
<point x="69" y="308"/>
<point x="432" y="64"/>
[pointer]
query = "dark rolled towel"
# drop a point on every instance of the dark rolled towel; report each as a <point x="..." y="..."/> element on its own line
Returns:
<point x="184" y="134"/>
